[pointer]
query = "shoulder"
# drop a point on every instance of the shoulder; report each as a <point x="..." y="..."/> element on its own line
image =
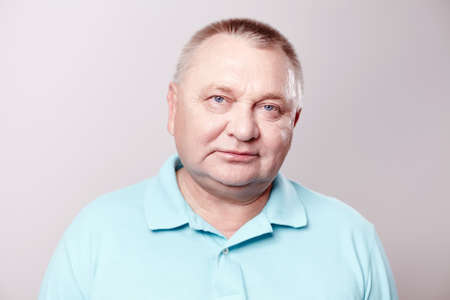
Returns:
<point x="127" y="197"/>
<point x="320" y="207"/>
<point x="333" y="219"/>
<point x="111" y="210"/>
<point x="337" y="230"/>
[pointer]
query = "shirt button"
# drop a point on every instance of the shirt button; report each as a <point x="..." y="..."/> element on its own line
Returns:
<point x="225" y="251"/>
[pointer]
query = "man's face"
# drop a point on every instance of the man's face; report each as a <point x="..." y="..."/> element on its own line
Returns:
<point x="233" y="113"/>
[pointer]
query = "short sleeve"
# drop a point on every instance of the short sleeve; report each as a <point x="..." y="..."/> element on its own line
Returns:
<point x="60" y="282"/>
<point x="380" y="283"/>
<point x="71" y="268"/>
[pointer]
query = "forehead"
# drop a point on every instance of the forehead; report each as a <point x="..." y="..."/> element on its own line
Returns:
<point x="236" y="62"/>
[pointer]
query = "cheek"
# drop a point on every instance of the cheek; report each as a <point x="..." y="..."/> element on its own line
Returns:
<point x="277" y="139"/>
<point x="285" y="135"/>
<point x="212" y="126"/>
<point x="199" y="127"/>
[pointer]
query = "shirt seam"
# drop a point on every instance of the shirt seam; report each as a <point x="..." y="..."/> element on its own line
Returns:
<point x="369" y="266"/>
<point x="83" y="294"/>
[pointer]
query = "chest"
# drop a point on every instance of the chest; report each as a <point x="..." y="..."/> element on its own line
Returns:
<point x="197" y="267"/>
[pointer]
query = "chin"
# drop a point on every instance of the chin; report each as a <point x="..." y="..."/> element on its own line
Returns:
<point x="236" y="180"/>
<point x="233" y="183"/>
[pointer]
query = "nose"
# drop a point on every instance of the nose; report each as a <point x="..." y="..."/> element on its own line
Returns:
<point x="242" y="125"/>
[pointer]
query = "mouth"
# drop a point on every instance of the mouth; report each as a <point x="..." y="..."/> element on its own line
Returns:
<point x="237" y="156"/>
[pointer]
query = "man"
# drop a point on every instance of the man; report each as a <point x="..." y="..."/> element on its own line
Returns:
<point x="219" y="221"/>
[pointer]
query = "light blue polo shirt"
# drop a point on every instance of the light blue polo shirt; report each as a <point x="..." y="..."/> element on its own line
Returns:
<point x="145" y="242"/>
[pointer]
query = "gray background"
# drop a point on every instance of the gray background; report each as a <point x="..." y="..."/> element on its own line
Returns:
<point x="83" y="112"/>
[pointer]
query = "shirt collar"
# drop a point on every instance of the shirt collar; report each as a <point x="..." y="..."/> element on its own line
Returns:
<point x="285" y="206"/>
<point x="165" y="207"/>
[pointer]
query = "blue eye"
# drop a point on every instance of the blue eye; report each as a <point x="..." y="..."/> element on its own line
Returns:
<point x="269" y="107"/>
<point x="218" y="99"/>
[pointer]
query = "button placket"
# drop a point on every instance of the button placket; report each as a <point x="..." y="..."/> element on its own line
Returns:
<point x="228" y="279"/>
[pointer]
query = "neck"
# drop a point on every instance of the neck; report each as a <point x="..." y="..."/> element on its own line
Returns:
<point x="226" y="209"/>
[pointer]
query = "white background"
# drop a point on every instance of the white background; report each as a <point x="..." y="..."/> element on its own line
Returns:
<point x="83" y="112"/>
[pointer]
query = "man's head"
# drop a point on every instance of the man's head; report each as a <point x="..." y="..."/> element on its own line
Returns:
<point x="260" y="35"/>
<point x="234" y="103"/>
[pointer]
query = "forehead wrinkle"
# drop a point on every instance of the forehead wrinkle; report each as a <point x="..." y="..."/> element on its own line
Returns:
<point x="232" y="78"/>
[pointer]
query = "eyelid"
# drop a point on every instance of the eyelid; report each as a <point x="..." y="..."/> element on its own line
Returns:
<point x="275" y="106"/>
<point x="227" y="99"/>
<point x="215" y="95"/>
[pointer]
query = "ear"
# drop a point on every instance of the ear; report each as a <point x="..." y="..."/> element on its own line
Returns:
<point x="172" y="103"/>
<point x="297" y="116"/>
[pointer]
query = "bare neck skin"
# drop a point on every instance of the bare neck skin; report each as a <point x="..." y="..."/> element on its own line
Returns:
<point x="225" y="214"/>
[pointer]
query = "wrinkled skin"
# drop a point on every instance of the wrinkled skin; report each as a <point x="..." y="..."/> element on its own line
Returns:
<point x="232" y="115"/>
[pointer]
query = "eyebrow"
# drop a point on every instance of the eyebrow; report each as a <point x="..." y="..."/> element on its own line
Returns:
<point x="215" y="87"/>
<point x="272" y="96"/>
<point x="229" y="90"/>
